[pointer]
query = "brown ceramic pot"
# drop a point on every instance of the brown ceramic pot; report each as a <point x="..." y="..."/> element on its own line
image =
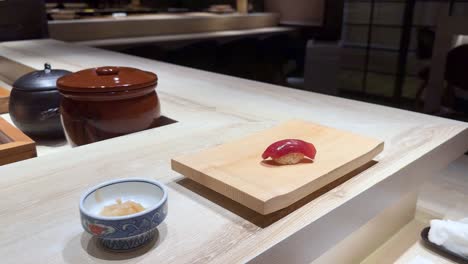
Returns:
<point x="107" y="102"/>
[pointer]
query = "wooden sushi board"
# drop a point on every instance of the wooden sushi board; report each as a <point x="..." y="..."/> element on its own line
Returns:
<point x="14" y="145"/>
<point x="236" y="169"/>
<point x="4" y="99"/>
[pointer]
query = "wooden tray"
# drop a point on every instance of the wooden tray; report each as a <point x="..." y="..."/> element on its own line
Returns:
<point x="237" y="171"/>
<point x="14" y="145"/>
<point x="4" y="98"/>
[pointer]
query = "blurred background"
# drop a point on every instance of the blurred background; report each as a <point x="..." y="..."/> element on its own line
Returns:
<point x="377" y="51"/>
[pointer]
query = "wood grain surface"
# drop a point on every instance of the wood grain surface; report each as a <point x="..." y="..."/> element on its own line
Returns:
<point x="406" y="247"/>
<point x="14" y="144"/>
<point x="39" y="205"/>
<point x="236" y="169"/>
<point x="122" y="43"/>
<point x="157" y="25"/>
<point x="4" y="99"/>
<point x="362" y="243"/>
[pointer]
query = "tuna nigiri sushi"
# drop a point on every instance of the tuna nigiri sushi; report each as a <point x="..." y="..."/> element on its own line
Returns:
<point x="290" y="151"/>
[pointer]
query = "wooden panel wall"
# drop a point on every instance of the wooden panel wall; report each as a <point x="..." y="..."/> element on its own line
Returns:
<point x="385" y="41"/>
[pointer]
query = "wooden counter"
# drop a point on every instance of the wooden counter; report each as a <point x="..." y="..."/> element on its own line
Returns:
<point x="225" y="35"/>
<point x="395" y="235"/>
<point x="152" y="25"/>
<point x="39" y="205"/>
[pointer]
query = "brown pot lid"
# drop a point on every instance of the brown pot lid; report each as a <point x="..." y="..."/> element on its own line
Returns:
<point x="106" y="79"/>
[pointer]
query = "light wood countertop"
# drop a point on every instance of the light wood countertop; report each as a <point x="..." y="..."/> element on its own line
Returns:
<point x="156" y="16"/>
<point x="406" y="247"/>
<point x="152" y="25"/>
<point x="40" y="196"/>
<point x="441" y="198"/>
<point x="161" y="39"/>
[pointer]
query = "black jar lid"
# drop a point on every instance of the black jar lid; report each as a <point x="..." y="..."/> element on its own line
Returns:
<point x="38" y="81"/>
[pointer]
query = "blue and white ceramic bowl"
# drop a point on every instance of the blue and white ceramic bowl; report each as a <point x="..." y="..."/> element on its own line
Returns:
<point x="124" y="232"/>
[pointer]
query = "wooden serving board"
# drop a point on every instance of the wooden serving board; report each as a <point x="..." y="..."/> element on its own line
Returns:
<point x="236" y="169"/>
<point x="14" y="144"/>
<point x="4" y="99"/>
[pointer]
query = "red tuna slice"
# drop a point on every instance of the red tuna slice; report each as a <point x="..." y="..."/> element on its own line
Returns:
<point x="288" y="146"/>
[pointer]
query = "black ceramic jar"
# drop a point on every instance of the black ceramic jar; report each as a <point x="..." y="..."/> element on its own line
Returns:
<point x="35" y="103"/>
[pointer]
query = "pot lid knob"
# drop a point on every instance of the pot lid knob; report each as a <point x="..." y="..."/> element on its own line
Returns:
<point x="47" y="67"/>
<point x="107" y="70"/>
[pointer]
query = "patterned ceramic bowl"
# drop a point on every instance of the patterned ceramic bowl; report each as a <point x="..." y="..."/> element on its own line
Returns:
<point x="124" y="232"/>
